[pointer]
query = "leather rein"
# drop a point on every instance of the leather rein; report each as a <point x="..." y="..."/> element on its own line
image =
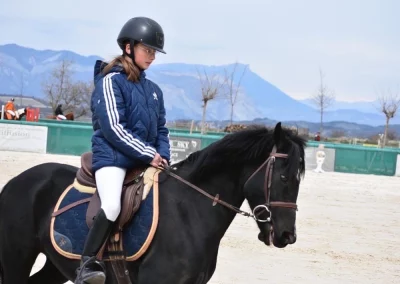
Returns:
<point x="269" y="162"/>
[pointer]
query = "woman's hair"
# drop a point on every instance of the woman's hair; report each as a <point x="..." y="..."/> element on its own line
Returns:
<point x="131" y="70"/>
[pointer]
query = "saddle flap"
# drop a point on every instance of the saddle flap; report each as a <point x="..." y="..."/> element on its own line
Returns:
<point x="133" y="175"/>
<point x="131" y="198"/>
<point x="93" y="208"/>
<point x="130" y="202"/>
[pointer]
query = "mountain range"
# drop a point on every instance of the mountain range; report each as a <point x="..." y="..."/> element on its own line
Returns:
<point x="23" y="69"/>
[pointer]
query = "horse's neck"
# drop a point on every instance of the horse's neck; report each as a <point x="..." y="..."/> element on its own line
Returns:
<point x="213" y="220"/>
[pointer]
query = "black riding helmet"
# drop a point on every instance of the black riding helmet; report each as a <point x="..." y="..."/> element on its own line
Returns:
<point x="143" y="30"/>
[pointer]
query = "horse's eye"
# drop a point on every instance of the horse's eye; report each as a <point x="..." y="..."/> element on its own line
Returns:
<point x="284" y="178"/>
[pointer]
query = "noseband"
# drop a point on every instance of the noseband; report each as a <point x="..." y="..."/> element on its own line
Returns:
<point x="267" y="189"/>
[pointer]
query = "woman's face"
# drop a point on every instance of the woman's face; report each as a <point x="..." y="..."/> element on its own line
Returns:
<point x="144" y="55"/>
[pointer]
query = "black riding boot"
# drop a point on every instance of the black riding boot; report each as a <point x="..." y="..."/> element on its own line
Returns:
<point x="91" y="270"/>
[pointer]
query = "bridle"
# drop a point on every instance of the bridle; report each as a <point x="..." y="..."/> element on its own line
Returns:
<point x="267" y="188"/>
<point x="269" y="162"/>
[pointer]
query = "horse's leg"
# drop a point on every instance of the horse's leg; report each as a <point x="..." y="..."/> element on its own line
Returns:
<point x="49" y="274"/>
<point x="16" y="265"/>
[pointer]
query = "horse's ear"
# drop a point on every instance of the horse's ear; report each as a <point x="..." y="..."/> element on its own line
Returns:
<point x="278" y="133"/>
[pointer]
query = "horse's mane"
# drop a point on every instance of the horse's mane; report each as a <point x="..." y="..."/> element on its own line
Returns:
<point x="249" y="145"/>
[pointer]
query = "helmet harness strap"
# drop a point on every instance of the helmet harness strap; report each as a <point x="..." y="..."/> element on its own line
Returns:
<point x="132" y="55"/>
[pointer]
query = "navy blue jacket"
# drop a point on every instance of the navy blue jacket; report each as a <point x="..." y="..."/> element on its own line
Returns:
<point x="128" y="120"/>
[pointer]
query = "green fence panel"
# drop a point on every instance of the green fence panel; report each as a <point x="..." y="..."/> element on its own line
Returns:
<point x="365" y="161"/>
<point x="69" y="139"/>
<point x="312" y="143"/>
<point x="68" y="122"/>
<point x="187" y="131"/>
<point x="74" y="138"/>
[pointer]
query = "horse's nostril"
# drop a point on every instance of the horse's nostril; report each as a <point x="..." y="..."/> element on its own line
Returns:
<point x="290" y="237"/>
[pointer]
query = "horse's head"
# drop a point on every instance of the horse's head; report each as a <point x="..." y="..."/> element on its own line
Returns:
<point x="272" y="187"/>
<point x="260" y="165"/>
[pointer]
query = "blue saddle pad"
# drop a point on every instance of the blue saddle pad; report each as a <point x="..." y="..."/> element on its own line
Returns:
<point x="69" y="229"/>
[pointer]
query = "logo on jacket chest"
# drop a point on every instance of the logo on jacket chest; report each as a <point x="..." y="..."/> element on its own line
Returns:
<point x="155" y="96"/>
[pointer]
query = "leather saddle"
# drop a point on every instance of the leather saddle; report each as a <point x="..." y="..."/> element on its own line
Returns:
<point x="131" y="197"/>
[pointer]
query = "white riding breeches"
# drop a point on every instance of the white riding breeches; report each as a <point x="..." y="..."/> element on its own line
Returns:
<point x="109" y="181"/>
<point x="61" y="117"/>
<point x="16" y="114"/>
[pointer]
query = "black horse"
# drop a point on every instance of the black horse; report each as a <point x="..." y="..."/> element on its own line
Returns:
<point x="260" y="165"/>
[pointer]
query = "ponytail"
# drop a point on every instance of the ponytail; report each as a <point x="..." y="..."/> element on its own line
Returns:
<point x="131" y="70"/>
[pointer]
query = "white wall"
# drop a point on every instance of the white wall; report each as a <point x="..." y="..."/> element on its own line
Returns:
<point x="311" y="162"/>
<point x="398" y="166"/>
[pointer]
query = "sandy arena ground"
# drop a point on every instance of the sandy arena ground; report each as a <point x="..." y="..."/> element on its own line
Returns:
<point x="348" y="231"/>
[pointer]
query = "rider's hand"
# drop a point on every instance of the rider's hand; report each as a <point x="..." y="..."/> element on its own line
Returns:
<point x="164" y="162"/>
<point x="157" y="161"/>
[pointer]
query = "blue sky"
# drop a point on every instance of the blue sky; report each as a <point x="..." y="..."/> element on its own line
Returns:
<point x="356" y="43"/>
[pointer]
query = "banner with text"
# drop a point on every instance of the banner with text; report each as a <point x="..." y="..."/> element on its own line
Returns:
<point x="23" y="138"/>
<point x="182" y="147"/>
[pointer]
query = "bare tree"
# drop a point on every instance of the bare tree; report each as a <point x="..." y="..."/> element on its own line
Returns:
<point x="389" y="103"/>
<point x="233" y="89"/>
<point x="78" y="99"/>
<point x="58" y="85"/>
<point x="61" y="89"/>
<point x="323" y="99"/>
<point x="210" y="88"/>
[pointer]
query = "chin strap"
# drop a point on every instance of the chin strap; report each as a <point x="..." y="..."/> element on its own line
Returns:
<point x="132" y="55"/>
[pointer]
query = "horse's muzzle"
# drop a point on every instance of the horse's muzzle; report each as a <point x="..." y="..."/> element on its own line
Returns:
<point x="289" y="238"/>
